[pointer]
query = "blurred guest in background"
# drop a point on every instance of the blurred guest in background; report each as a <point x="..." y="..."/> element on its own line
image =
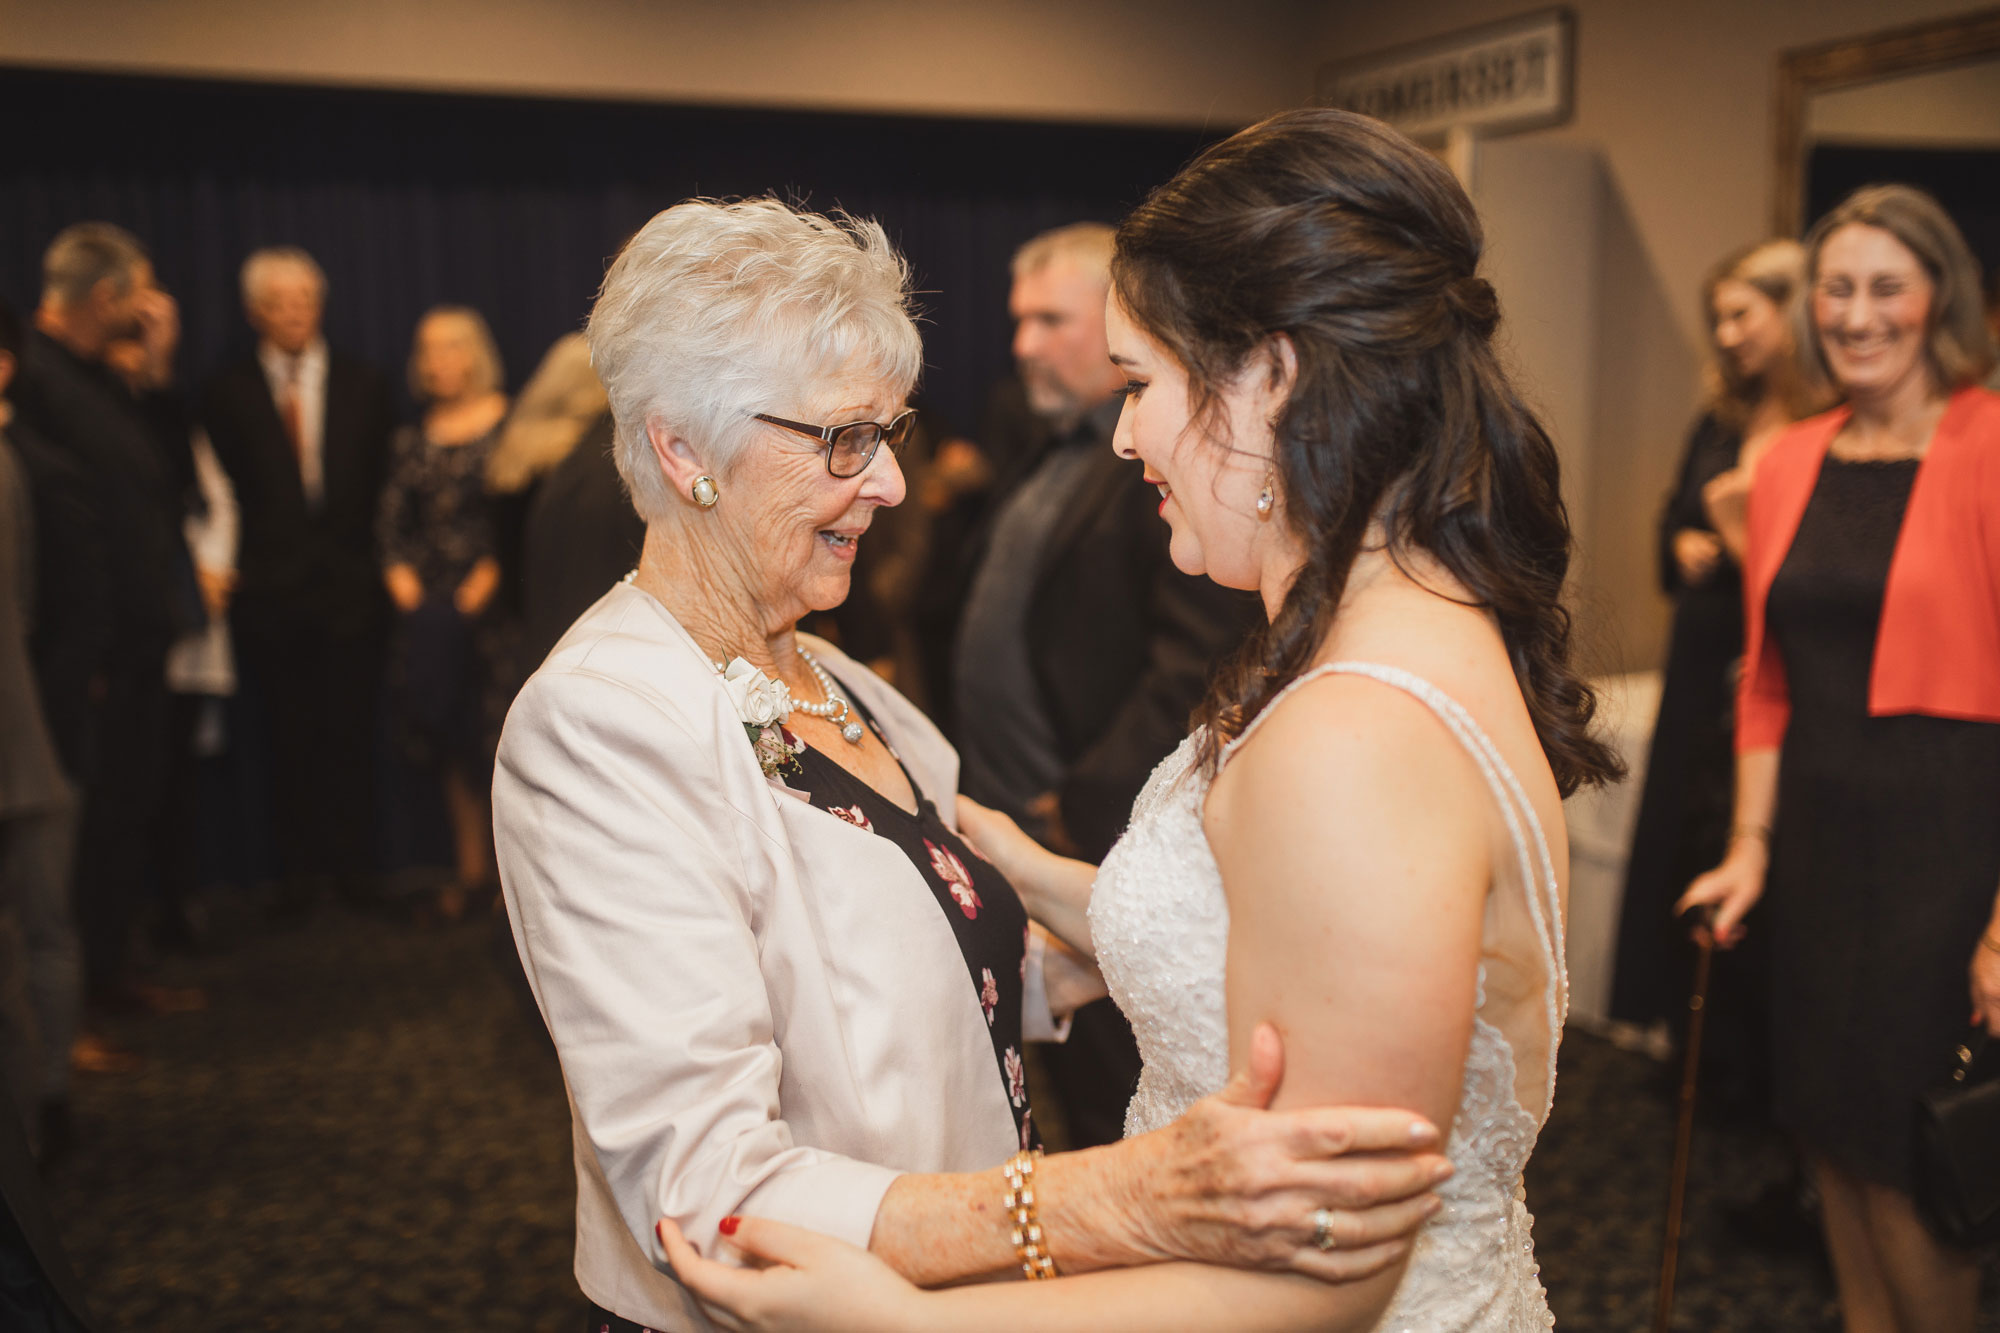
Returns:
<point x="1871" y="683"/>
<point x="303" y="433"/>
<point x="41" y="984"/>
<point x="97" y="291"/>
<point x="581" y="534"/>
<point x="1755" y="388"/>
<point x="440" y="562"/>
<point x="1082" y="650"/>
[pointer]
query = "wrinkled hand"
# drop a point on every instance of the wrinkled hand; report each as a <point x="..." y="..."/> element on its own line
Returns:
<point x="1986" y="982"/>
<point x="1731" y="889"/>
<point x="406" y="590"/>
<point x="1696" y="553"/>
<point x="800" y="1280"/>
<point x="1238" y="1185"/>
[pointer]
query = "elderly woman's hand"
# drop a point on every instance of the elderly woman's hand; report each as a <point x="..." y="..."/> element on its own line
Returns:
<point x="799" y="1282"/>
<point x="1731" y="889"/>
<point x="1231" y="1183"/>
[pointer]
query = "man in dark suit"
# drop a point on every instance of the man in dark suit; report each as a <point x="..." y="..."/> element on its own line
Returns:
<point x="303" y="433"/>
<point x="107" y="699"/>
<point x="1082" y="650"/>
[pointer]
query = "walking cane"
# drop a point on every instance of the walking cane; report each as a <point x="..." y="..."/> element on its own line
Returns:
<point x="1663" y="1313"/>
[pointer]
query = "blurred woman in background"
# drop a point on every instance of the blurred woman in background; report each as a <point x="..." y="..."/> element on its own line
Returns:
<point x="440" y="562"/>
<point x="1871" y="685"/>
<point x="1755" y="387"/>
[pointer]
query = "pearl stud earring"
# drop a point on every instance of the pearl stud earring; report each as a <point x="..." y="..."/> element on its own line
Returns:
<point x="705" y="493"/>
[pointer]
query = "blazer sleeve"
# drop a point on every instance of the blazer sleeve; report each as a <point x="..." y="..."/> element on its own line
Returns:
<point x="627" y="877"/>
<point x="1763" y="698"/>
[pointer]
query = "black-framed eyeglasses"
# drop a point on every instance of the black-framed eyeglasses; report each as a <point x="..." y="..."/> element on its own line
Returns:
<point x="851" y="446"/>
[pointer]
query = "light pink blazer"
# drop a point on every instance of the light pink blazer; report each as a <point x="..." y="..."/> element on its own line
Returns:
<point x="758" y="1008"/>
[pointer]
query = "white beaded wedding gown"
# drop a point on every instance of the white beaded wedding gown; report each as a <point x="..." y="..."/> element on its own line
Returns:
<point x="1160" y="925"/>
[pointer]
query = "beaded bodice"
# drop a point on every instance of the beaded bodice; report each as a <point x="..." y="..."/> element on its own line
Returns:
<point x="1160" y="923"/>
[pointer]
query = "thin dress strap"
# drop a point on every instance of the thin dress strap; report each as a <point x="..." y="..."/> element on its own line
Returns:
<point x="1539" y="880"/>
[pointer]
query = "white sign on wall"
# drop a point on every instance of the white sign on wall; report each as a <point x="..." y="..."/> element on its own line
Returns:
<point x="1512" y="75"/>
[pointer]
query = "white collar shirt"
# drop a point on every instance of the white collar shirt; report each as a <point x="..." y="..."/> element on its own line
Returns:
<point x="309" y="367"/>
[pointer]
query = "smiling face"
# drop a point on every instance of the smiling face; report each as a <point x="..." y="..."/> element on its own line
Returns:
<point x="788" y="528"/>
<point x="1750" y="330"/>
<point x="1209" y="475"/>
<point x="1871" y="306"/>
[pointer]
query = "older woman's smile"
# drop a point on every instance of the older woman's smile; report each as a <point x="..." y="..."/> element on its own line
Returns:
<point x="842" y="542"/>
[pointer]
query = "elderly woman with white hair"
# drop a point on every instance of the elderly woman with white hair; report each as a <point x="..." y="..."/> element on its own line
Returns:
<point x="779" y="981"/>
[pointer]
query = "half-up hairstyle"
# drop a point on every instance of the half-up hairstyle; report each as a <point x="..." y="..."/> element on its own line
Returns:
<point x="1341" y="234"/>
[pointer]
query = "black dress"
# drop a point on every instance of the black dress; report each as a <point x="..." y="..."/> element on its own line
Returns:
<point x="448" y="673"/>
<point x="986" y="918"/>
<point x="1885" y="849"/>
<point x="1684" y="808"/>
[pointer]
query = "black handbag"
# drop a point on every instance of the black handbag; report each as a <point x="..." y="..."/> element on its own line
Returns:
<point x="1958" y="1146"/>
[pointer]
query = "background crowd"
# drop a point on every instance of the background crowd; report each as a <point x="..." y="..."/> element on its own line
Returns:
<point x="284" y="605"/>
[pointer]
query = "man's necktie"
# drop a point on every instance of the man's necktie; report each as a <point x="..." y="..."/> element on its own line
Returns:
<point x="289" y="412"/>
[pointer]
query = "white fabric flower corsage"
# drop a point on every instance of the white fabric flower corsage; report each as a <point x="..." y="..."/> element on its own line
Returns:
<point x="763" y="704"/>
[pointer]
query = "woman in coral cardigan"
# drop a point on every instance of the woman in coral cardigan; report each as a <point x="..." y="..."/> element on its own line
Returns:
<point x="1871" y="683"/>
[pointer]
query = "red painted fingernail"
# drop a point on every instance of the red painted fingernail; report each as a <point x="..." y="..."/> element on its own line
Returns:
<point x="727" y="1226"/>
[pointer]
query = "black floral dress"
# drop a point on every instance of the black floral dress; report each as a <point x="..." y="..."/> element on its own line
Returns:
<point x="986" y="917"/>
<point x="447" y="672"/>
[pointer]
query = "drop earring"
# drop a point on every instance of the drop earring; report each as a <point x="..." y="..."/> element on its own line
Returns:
<point x="1266" y="501"/>
<point x="705" y="493"/>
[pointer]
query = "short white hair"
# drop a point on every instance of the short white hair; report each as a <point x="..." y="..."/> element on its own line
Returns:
<point x="716" y="311"/>
<point x="262" y="264"/>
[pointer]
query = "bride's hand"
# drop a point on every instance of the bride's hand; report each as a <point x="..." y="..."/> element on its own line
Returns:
<point x="799" y="1280"/>
<point x="998" y="839"/>
<point x="1239" y="1185"/>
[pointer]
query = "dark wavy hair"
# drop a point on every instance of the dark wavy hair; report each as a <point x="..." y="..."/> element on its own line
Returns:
<point x="1341" y="234"/>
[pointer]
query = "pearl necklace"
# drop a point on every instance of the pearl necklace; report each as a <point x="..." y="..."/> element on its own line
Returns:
<point x="833" y="708"/>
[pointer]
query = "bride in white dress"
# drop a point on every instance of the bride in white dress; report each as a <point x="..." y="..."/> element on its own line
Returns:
<point x="1362" y="843"/>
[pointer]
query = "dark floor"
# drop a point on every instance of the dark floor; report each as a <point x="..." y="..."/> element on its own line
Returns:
<point x="365" y="1131"/>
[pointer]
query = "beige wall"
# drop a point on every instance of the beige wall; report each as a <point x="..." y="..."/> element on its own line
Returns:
<point x="1674" y="101"/>
<point x="1949" y="108"/>
<point x="1153" y="61"/>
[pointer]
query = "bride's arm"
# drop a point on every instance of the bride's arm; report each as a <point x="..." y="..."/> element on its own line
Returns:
<point x="1353" y="844"/>
<point x="1055" y="889"/>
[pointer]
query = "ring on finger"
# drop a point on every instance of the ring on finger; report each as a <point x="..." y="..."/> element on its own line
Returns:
<point x="1323" y="1236"/>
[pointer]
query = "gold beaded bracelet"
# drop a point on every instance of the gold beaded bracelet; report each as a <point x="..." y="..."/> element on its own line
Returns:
<point x="1024" y="1219"/>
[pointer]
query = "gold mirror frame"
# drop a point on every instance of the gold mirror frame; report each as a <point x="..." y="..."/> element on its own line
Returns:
<point x="1807" y="70"/>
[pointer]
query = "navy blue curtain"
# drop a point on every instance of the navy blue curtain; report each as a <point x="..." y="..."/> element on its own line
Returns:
<point x="514" y="205"/>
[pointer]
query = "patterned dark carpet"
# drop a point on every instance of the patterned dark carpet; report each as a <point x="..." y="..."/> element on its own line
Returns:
<point x="366" y="1131"/>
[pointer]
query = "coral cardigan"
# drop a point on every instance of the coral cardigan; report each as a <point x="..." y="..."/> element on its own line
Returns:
<point x="1937" y="649"/>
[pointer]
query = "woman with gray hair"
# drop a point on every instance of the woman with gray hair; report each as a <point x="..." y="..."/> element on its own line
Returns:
<point x="779" y="981"/>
